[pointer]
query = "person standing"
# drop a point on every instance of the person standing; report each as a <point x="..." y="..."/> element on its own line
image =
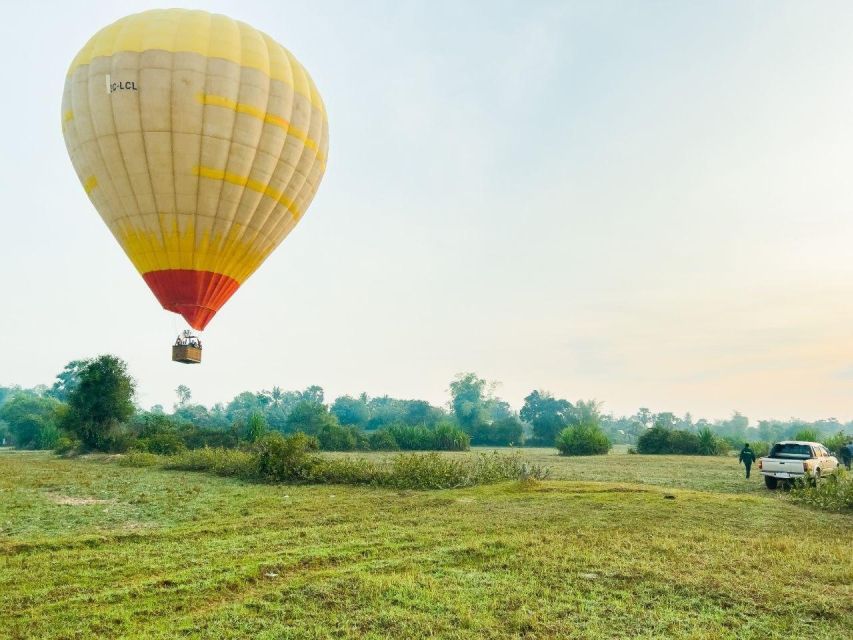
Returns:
<point x="847" y="454"/>
<point x="747" y="457"/>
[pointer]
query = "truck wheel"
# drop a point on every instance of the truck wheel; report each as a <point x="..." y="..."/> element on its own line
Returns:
<point x="770" y="482"/>
<point x="813" y="480"/>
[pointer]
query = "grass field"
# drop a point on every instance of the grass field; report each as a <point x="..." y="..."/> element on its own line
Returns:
<point x="664" y="547"/>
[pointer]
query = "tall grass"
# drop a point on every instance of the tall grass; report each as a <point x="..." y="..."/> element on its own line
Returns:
<point x="831" y="493"/>
<point x="278" y="458"/>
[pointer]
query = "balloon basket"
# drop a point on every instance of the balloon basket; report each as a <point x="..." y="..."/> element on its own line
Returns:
<point x="186" y="354"/>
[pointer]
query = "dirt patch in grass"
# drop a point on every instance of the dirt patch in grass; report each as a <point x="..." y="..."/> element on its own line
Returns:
<point x="58" y="498"/>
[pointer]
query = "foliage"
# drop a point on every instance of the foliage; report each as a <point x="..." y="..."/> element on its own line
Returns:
<point x="444" y="437"/>
<point x="382" y="440"/>
<point x="547" y="415"/>
<point x="100" y="403"/>
<point x="334" y="437"/>
<point x="222" y="462"/>
<point x="502" y="432"/>
<point x="836" y="441"/>
<point x="309" y="416"/>
<point x="833" y="492"/>
<point x="32" y="420"/>
<point x="584" y="439"/>
<point x="351" y="411"/>
<point x="710" y="444"/>
<point x="285" y="458"/>
<point x="256" y="427"/>
<point x="807" y="435"/>
<point x="157" y="433"/>
<point x="67" y="380"/>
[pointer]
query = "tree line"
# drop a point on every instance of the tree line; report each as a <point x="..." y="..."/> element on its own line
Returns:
<point x="91" y="406"/>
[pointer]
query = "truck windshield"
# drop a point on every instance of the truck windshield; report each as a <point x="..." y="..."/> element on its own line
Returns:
<point x="797" y="451"/>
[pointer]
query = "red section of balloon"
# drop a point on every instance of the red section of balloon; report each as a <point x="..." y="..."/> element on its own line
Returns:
<point x="196" y="295"/>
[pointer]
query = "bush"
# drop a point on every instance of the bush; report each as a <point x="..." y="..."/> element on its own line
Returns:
<point x="710" y="444"/>
<point x="832" y="493"/>
<point x="835" y="442"/>
<point x="444" y="437"/>
<point x="382" y="440"/>
<point x="663" y="440"/>
<point x="222" y="462"/>
<point x="285" y="458"/>
<point x="807" y="435"/>
<point x="426" y="471"/>
<point x="760" y="448"/>
<point x="334" y="437"/>
<point x="139" y="459"/>
<point x="583" y="440"/>
<point x="66" y="445"/>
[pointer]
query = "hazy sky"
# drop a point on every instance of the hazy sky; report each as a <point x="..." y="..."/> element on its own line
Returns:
<point x="647" y="203"/>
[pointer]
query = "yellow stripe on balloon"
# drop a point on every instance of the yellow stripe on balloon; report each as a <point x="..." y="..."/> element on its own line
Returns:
<point x="89" y="184"/>
<point x="249" y="183"/>
<point x="235" y="254"/>
<point x="260" y="114"/>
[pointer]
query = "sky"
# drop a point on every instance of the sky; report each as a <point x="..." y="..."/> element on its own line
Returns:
<point x="645" y="203"/>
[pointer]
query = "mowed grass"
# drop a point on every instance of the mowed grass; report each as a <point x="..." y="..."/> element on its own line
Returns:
<point x="93" y="549"/>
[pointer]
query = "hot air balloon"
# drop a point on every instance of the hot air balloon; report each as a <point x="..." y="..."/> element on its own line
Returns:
<point x="201" y="142"/>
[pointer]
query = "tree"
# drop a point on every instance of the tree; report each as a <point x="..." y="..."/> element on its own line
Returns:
<point x="506" y="431"/>
<point x="314" y="393"/>
<point x="467" y="399"/>
<point x="67" y="380"/>
<point x="547" y="415"/>
<point x="184" y="395"/>
<point x="100" y="403"/>
<point x="666" y="420"/>
<point x="32" y="420"/>
<point x="256" y="427"/>
<point x="309" y="417"/>
<point x="351" y="411"/>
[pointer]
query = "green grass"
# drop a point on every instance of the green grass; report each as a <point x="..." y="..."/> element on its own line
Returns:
<point x="93" y="549"/>
<point x="703" y="473"/>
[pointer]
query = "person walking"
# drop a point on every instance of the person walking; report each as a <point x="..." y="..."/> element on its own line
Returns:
<point x="747" y="457"/>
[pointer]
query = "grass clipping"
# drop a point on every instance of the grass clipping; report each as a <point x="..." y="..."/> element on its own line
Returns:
<point x="279" y="458"/>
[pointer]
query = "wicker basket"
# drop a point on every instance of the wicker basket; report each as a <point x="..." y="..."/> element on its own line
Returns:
<point x="186" y="354"/>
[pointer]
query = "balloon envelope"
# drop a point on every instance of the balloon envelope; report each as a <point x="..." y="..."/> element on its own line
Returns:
<point x="201" y="142"/>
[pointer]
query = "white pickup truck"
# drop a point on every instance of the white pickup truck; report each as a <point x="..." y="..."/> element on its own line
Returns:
<point x="793" y="459"/>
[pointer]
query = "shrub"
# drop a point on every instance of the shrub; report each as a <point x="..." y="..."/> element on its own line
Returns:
<point x="663" y="440"/>
<point x="222" y="462"/>
<point x="280" y="457"/>
<point x="760" y="448"/>
<point x="833" y="493"/>
<point x="710" y="444"/>
<point x="66" y="445"/>
<point x="807" y="435"/>
<point x="334" y="437"/>
<point x="382" y="440"/>
<point x="583" y="440"/>
<point x="449" y="437"/>
<point x="835" y="442"/>
<point x="654" y="440"/>
<point x="444" y="437"/>
<point x="139" y="459"/>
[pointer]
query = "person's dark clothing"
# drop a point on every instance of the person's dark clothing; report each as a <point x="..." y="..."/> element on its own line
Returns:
<point x="847" y="454"/>
<point x="747" y="457"/>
